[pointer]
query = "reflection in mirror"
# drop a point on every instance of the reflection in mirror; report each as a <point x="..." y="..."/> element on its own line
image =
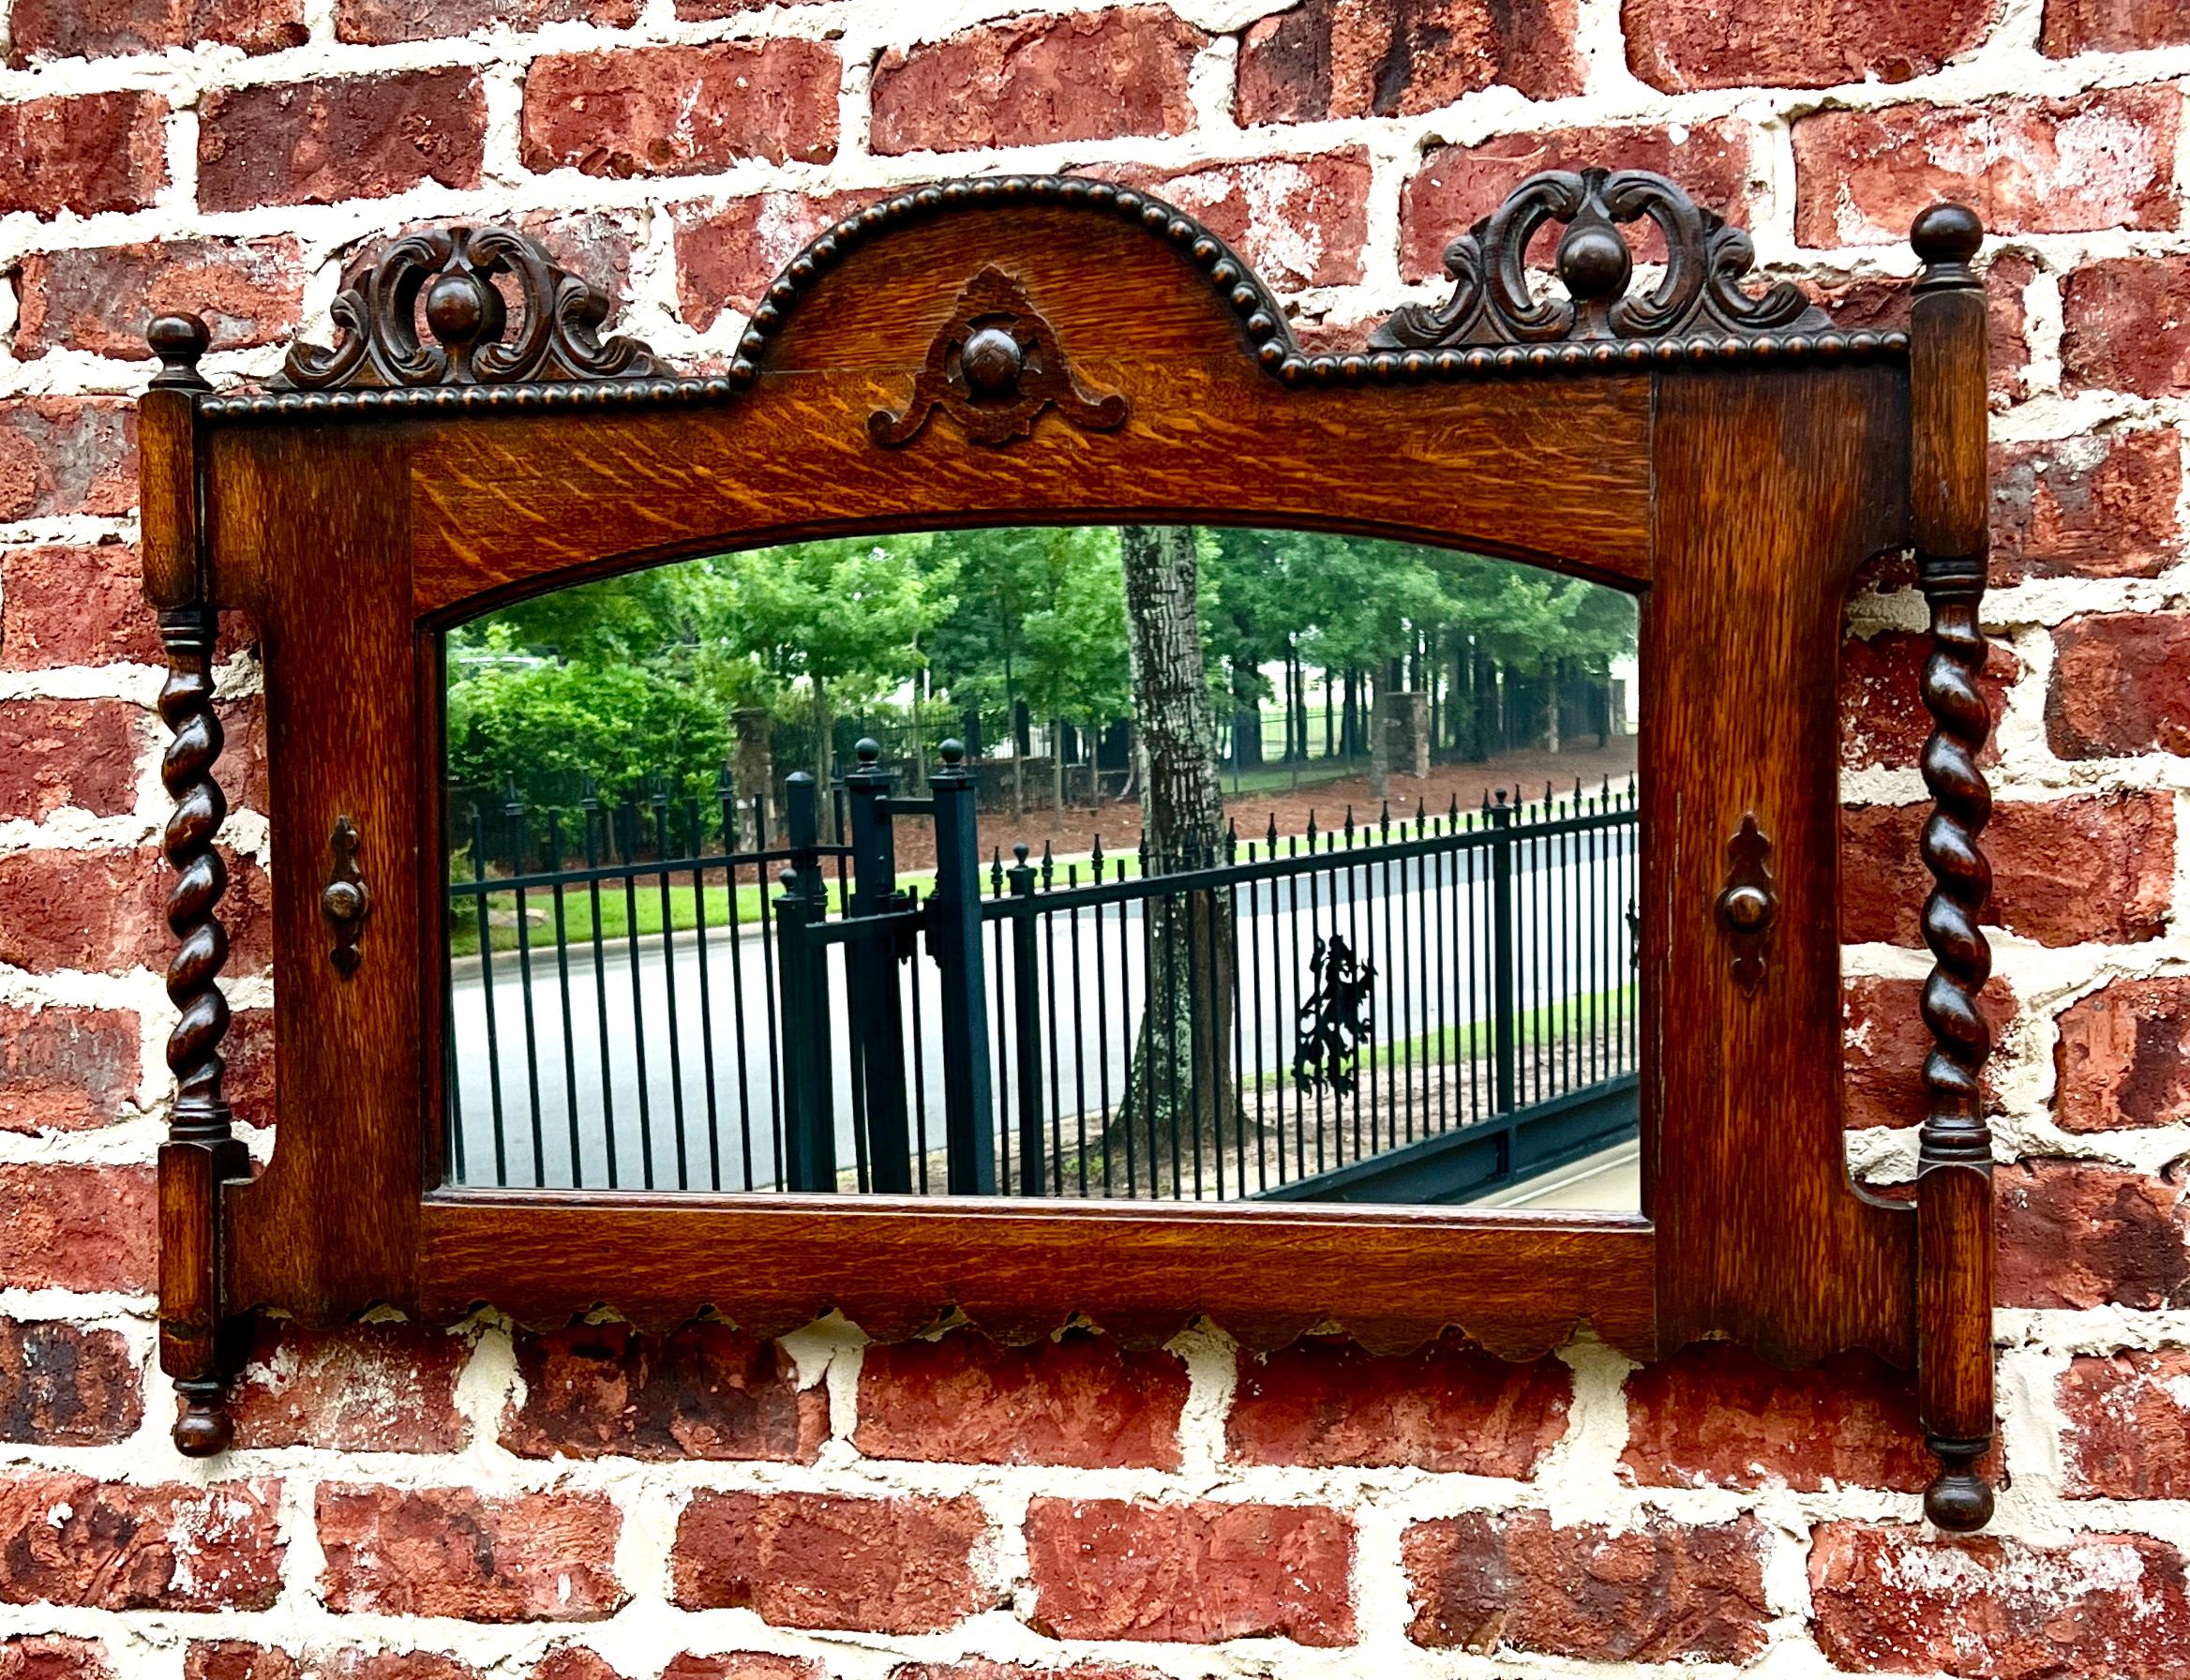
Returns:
<point x="1074" y="862"/>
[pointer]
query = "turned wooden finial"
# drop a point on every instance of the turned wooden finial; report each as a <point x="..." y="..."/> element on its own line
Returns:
<point x="1946" y="236"/>
<point x="178" y="340"/>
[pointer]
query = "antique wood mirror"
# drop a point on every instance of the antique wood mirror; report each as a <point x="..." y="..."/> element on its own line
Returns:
<point x="1283" y="1081"/>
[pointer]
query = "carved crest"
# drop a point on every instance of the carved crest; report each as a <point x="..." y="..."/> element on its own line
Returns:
<point x="996" y="367"/>
<point x="454" y="270"/>
<point x="1700" y="290"/>
<point x="1748" y="902"/>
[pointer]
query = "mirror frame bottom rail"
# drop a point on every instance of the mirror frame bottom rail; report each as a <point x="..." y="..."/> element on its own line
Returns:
<point x="1519" y="1285"/>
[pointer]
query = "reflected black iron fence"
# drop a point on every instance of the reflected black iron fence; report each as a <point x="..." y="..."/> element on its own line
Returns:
<point x="570" y="931"/>
<point x="1425" y="1008"/>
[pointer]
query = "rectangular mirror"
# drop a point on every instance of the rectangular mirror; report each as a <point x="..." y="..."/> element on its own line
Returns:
<point x="1340" y="905"/>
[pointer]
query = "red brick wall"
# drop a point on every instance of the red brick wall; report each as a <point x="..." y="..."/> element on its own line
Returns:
<point x="446" y="1505"/>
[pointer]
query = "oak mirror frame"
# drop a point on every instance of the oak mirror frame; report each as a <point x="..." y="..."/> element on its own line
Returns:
<point x="1043" y="350"/>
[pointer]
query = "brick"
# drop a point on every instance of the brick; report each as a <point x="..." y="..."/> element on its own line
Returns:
<point x="50" y="1656"/>
<point x="1353" y="58"/>
<point x="71" y="1540"/>
<point x="596" y="244"/>
<point x="703" y="9"/>
<point x="2026" y="166"/>
<point x="1888" y="1599"/>
<point x="1662" y="1591"/>
<point x="106" y="28"/>
<point x="450" y="1551"/>
<point x="319" y="143"/>
<point x="85" y="153"/>
<point x="2119" y="685"/>
<point x="2127" y="1424"/>
<point x="66" y="455"/>
<point x="705" y="1391"/>
<point x="2072" y="26"/>
<point x="64" y="1068"/>
<point x="1298" y="221"/>
<point x="573" y="1662"/>
<point x="2123" y="1057"/>
<point x="242" y="770"/>
<point x="737" y="1665"/>
<point x="1457" y="185"/>
<point x="2101" y="504"/>
<point x="966" y="1400"/>
<point x="1882" y="719"/>
<point x="64" y="1385"/>
<point x="2074" y="1234"/>
<point x="238" y="1659"/>
<point x="726" y="256"/>
<point x="77" y="1227"/>
<point x="1882" y="1081"/>
<point x="367" y="1388"/>
<point x="1119" y="1568"/>
<point x="1883" y="305"/>
<point x="69" y="755"/>
<point x="2088" y="867"/>
<point x="897" y="1565"/>
<point x="379" y="22"/>
<point x="74" y="605"/>
<point x="249" y="292"/>
<point x="249" y="1052"/>
<point x="2125" y="325"/>
<point x="1447" y="1407"/>
<point x="682" y="111"/>
<point x="983" y="1667"/>
<point x="1715" y="1416"/>
<point x="1678" y="48"/>
<point x="1034" y="80"/>
<point x="102" y="911"/>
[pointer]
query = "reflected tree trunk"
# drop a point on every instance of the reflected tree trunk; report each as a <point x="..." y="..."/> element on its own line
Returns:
<point x="1180" y="1097"/>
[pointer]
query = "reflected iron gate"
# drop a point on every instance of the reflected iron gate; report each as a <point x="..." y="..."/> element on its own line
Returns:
<point x="1460" y="1016"/>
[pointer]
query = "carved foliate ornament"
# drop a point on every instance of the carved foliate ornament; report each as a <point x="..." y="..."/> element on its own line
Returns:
<point x="452" y="271"/>
<point x="996" y="367"/>
<point x="1699" y="292"/>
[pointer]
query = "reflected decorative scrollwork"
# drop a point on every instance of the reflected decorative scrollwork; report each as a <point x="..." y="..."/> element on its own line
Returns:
<point x="1699" y="292"/>
<point x="1336" y="1019"/>
<point x="455" y="270"/>
<point x="996" y="366"/>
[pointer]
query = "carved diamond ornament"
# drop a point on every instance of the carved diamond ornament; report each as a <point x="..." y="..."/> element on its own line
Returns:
<point x="1699" y="291"/>
<point x="996" y="367"/>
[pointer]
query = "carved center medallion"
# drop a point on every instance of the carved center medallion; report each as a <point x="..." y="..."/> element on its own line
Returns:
<point x="996" y="366"/>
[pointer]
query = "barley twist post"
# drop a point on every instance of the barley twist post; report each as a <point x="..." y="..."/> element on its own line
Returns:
<point x="1953" y="1187"/>
<point x="197" y="1340"/>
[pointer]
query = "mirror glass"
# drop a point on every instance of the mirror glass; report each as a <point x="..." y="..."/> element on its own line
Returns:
<point x="1064" y="861"/>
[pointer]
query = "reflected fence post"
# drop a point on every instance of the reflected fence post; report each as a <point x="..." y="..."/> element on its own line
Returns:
<point x="1502" y="979"/>
<point x="962" y="1010"/>
<point x="809" y="1104"/>
<point x="1026" y="1025"/>
<point x="871" y="985"/>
